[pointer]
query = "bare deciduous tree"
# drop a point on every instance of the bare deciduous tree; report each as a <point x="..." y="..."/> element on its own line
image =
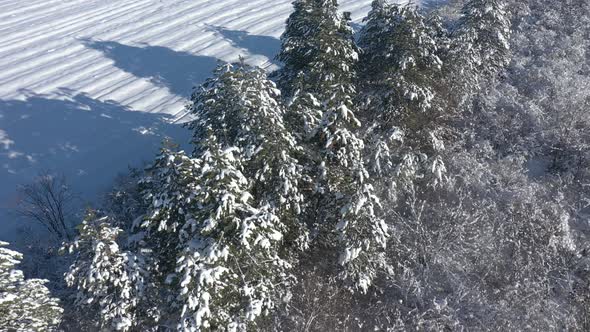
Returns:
<point x="49" y="201"/>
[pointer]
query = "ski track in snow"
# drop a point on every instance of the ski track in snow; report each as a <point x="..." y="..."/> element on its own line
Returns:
<point x="88" y="87"/>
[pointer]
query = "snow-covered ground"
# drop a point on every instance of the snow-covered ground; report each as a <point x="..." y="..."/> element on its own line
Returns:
<point x="88" y="87"/>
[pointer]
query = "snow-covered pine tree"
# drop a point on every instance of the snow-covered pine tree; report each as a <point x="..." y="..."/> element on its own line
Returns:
<point x="241" y="107"/>
<point x="227" y="213"/>
<point x="480" y="45"/>
<point x="169" y="190"/>
<point x="319" y="56"/>
<point x="320" y="59"/>
<point x="111" y="282"/>
<point x="400" y="74"/>
<point x="298" y="49"/>
<point x="374" y="42"/>
<point x="297" y="43"/>
<point x="25" y="304"/>
<point x="228" y="264"/>
<point x="400" y="61"/>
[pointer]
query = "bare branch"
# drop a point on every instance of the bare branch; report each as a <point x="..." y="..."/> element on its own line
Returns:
<point x="48" y="201"/>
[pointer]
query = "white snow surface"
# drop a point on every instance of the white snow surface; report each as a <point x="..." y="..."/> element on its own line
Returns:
<point x="88" y="87"/>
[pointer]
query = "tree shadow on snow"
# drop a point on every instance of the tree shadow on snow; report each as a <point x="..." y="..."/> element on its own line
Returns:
<point x="255" y="44"/>
<point x="87" y="140"/>
<point x="177" y="71"/>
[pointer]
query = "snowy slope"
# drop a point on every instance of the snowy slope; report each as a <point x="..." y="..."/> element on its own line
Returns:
<point x="88" y="87"/>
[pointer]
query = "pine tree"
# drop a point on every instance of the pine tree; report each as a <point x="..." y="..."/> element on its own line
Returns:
<point x="401" y="74"/>
<point x="111" y="282"/>
<point x="25" y="304"/>
<point x="400" y="62"/>
<point x="319" y="54"/>
<point x="242" y="109"/>
<point x="223" y="220"/>
<point x="323" y="79"/>
<point x="320" y="58"/>
<point x="298" y="43"/>
<point x="169" y="190"/>
<point x="374" y="40"/>
<point x="229" y="262"/>
<point x="480" y="47"/>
